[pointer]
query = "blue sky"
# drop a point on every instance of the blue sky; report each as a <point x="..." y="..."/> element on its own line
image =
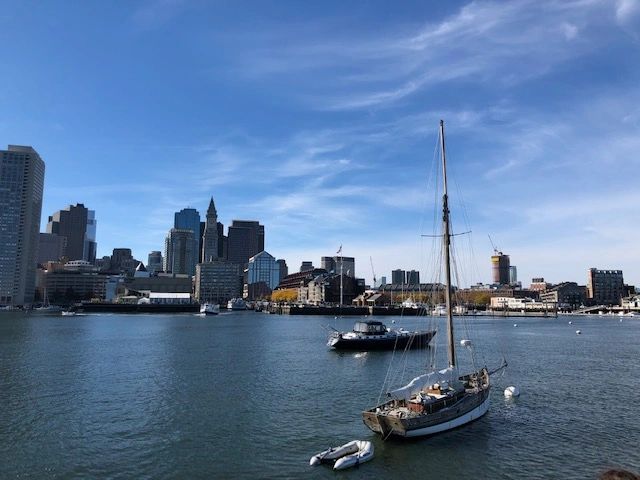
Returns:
<point x="320" y="118"/>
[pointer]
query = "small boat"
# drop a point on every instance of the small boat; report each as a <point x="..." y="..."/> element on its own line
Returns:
<point x="373" y="335"/>
<point x="210" y="309"/>
<point x="236" y="304"/>
<point x="68" y="313"/>
<point x="348" y="455"/>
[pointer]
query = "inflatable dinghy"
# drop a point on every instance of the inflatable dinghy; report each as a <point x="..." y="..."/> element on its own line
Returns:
<point x="348" y="455"/>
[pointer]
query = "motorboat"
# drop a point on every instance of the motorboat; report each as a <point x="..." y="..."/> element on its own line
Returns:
<point x="236" y="304"/>
<point x="210" y="309"/>
<point x="346" y="456"/>
<point x="374" y="335"/>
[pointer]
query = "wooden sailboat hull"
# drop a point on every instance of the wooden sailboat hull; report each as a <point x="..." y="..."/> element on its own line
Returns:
<point x="468" y="409"/>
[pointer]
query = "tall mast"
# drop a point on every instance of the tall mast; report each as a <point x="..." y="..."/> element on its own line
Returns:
<point x="447" y="246"/>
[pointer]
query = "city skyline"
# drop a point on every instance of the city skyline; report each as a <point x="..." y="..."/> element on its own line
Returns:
<point x="322" y="129"/>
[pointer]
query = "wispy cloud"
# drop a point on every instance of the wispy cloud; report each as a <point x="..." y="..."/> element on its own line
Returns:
<point x="487" y="42"/>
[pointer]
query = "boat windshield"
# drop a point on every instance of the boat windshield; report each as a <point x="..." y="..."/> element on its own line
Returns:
<point x="369" y="327"/>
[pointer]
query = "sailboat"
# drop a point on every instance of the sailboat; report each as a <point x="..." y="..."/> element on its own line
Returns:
<point x="439" y="400"/>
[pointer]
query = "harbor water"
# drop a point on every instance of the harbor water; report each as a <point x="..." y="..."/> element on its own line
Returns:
<point x="252" y="395"/>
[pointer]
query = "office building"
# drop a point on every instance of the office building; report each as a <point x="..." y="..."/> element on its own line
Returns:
<point x="337" y="264"/>
<point x="245" y="239"/>
<point x="72" y="282"/>
<point x="398" y="277"/>
<point x="179" y="253"/>
<point x="78" y="225"/>
<point x="21" y="186"/>
<point x="218" y="281"/>
<point x="263" y="275"/>
<point x="605" y="287"/>
<point x="189" y="219"/>
<point x="500" y="268"/>
<point x="51" y="248"/>
<point x="306" y="265"/>
<point x="154" y="262"/>
<point x="413" y="277"/>
<point x="284" y="269"/>
<point x="328" y="264"/>
<point x="210" y="236"/>
<point x="513" y="275"/>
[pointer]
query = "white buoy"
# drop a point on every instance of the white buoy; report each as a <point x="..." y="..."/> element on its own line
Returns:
<point x="570" y="323"/>
<point x="393" y="321"/>
<point x="512" y="391"/>
<point x="578" y="332"/>
<point x="515" y="324"/>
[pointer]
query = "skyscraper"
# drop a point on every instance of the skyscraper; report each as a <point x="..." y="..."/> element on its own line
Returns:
<point x="154" y="262"/>
<point x="500" y="268"/>
<point x="398" y="276"/>
<point x="210" y="237"/>
<point x="413" y="277"/>
<point x="246" y="238"/>
<point x="189" y="219"/>
<point x="78" y="225"/>
<point x="21" y="186"/>
<point x="179" y="255"/>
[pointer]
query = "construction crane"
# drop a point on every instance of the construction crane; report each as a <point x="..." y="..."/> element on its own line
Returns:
<point x="495" y="250"/>
<point x="373" y="272"/>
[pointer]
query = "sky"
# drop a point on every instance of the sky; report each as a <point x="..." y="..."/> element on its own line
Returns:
<point x="320" y="119"/>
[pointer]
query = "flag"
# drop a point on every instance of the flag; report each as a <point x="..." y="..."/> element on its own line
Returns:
<point x="339" y="250"/>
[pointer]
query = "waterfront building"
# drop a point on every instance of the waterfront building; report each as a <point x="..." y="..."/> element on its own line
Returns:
<point x="521" y="304"/>
<point x="398" y="277"/>
<point x="161" y="283"/>
<point x="306" y="266"/>
<point x="325" y="288"/>
<point x="245" y="239"/>
<point x="78" y="225"/>
<point x="500" y="264"/>
<point x="154" y="262"/>
<point x="413" y="277"/>
<point x="263" y="275"/>
<point x="566" y="295"/>
<point x="179" y="254"/>
<point x="284" y="269"/>
<point x="71" y="282"/>
<point x="21" y="186"/>
<point x="189" y="219"/>
<point x="538" y="284"/>
<point x="298" y="279"/>
<point x="218" y="281"/>
<point x="51" y="248"/>
<point x="605" y="287"/>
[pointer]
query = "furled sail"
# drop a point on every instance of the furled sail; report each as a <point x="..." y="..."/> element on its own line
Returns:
<point x="419" y="383"/>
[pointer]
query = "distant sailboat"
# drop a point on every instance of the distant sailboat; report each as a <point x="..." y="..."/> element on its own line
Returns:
<point x="439" y="400"/>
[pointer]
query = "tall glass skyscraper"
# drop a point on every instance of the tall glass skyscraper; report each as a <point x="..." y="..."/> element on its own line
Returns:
<point x="189" y="219"/>
<point x="21" y="186"/>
